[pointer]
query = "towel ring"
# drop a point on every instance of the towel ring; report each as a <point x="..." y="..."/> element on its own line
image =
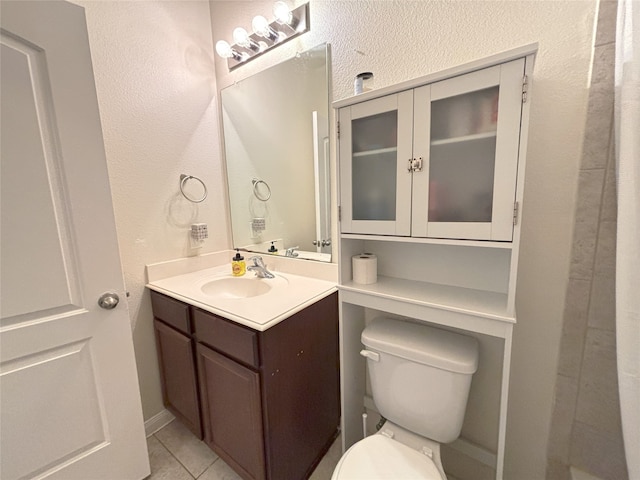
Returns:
<point x="183" y="180"/>
<point x="258" y="195"/>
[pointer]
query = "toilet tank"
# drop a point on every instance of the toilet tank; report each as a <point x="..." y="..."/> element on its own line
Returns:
<point x="421" y="375"/>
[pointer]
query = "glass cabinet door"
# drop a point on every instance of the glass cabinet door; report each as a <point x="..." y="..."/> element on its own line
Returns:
<point x="467" y="131"/>
<point x="375" y="138"/>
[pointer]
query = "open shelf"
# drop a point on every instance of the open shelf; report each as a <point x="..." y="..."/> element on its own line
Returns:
<point x="468" y="301"/>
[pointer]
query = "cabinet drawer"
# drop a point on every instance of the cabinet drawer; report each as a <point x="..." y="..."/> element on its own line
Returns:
<point x="171" y="311"/>
<point x="227" y="337"/>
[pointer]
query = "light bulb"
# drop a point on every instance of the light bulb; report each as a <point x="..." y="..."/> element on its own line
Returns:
<point x="241" y="37"/>
<point x="282" y="13"/>
<point x="260" y="25"/>
<point x="224" y="49"/>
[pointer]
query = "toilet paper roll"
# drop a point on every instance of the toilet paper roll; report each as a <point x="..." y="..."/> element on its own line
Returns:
<point x="365" y="268"/>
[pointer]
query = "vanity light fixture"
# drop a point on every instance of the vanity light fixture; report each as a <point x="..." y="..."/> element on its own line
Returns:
<point x="288" y="24"/>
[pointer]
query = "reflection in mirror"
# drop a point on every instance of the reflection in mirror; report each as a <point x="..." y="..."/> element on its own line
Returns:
<point x="276" y="136"/>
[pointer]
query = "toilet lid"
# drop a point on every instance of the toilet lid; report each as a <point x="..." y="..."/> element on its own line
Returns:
<point x="378" y="457"/>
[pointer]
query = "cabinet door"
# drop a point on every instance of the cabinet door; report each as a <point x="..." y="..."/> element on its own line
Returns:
<point x="179" y="383"/>
<point x="467" y="131"/>
<point x="375" y="149"/>
<point x="232" y="412"/>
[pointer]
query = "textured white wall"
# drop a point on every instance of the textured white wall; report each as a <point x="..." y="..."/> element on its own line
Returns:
<point x="153" y="65"/>
<point x="399" y="40"/>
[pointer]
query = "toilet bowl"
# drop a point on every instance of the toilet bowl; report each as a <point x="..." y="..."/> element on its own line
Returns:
<point x="381" y="457"/>
<point x="420" y="381"/>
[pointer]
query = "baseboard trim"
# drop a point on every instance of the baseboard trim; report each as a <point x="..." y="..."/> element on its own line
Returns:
<point x="158" y="421"/>
<point x="577" y="474"/>
<point x="474" y="451"/>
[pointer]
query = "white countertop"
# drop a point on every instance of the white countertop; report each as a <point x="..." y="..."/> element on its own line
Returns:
<point x="290" y="294"/>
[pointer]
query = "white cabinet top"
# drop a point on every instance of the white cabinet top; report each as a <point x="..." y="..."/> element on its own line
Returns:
<point x="485" y="62"/>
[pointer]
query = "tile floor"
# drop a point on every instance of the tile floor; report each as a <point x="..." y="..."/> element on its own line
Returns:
<point x="176" y="454"/>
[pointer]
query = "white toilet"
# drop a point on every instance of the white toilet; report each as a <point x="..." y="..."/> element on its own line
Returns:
<point x="420" y="379"/>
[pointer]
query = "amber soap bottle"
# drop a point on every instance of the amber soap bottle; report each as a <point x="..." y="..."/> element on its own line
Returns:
<point x="238" y="266"/>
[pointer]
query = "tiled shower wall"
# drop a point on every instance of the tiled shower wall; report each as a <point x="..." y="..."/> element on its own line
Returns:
<point x="586" y="429"/>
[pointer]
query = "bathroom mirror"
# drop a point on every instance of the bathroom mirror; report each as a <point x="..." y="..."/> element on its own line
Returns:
<point x="276" y="142"/>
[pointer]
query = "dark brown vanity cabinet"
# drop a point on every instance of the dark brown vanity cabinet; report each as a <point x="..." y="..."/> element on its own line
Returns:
<point x="270" y="400"/>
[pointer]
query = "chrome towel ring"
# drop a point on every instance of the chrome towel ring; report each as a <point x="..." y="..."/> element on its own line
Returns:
<point x="183" y="181"/>
<point x="262" y="196"/>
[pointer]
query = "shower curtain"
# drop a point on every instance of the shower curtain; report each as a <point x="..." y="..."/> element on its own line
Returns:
<point x="627" y="124"/>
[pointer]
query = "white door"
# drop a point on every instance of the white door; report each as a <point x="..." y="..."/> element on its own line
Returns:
<point x="70" y="403"/>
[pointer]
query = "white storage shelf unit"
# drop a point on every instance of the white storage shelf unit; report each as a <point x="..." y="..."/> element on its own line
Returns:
<point x="464" y="285"/>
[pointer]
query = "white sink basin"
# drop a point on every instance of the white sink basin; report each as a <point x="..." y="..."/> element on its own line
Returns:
<point x="240" y="287"/>
<point x="255" y="302"/>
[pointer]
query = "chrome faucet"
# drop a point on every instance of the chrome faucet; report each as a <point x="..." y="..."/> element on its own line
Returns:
<point x="259" y="268"/>
<point x="291" y="252"/>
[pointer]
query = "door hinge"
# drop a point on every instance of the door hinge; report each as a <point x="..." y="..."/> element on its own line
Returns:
<point x="338" y="129"/>
<point x="515" y="213"/>
<point x="525" y="88"/>
<point x="339" y="213"/>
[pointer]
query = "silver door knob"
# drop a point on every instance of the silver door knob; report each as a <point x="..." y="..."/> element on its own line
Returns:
<point x="108" y="300"/>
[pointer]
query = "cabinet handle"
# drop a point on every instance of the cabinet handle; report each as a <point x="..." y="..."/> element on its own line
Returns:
<point x="415" y="165"/>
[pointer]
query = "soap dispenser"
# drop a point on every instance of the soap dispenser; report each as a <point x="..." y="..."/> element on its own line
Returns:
<point x="272" y="248"/>
<point x="238" y="266"/>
